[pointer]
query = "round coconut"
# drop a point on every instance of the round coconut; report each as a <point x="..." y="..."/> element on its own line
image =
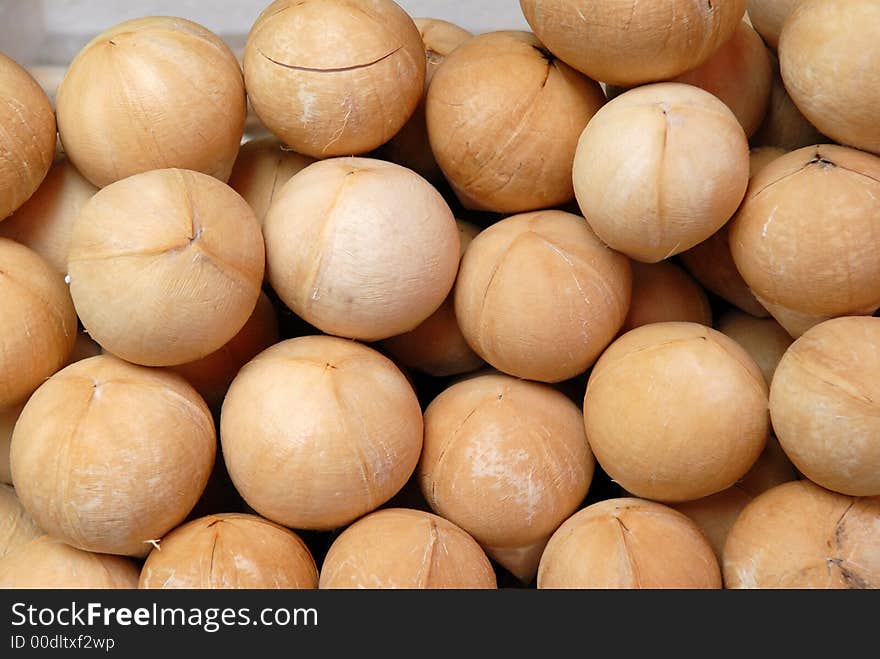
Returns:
<point x="27" y="144"/>
<point x="663" y="292"/>
<point x="317" y="431"/>
<point x="334" y="77"/>
<point x="152" y="93"/>
<point x="165" y="267"/>
<point x="539" y="296"/>
<point x="768" y="17"/>
<point x="823" y="403"/>
<point x="676" y="411"/>
<point x="828" y="54"/>
<point x="361" y="248"/>
<point x="38" y="323"/>
<point x="625" y="43"/>
<point x="762" y="156"/>
<point x="628" y="543"/>
<point x="504" y="116"/>
<point x="402" y="548"/>
<point x="8" y="417"/>
<point x="507" y="461"/>
<point x="637" y="161"/>
<point x="784" y="126"/>
<point x="16" y="526"/>
<point x="227" y="551"/>
<point x="763" y="338"/>
<point x="108" y="456"/>
<point x="799" y="536"/>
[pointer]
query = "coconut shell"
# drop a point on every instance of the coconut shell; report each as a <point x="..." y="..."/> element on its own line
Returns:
<point x="317" y="431"/>
<point x="401" y="548"/>
<point x="637" y="161"/>
<point x="504" y="116"/>
<point x="625" y="43"/>
<point x="27" y="144"/>
<point x="8" y="417"/>
<point x="165" y="267"/>
<point x="539" y="296"/>
<point x="676" y="411"/>
<point x="348" y="81"/>
<point x="361" y="248"/>
<point x="628" y="543"/>
<point x="824" y="405"/>
<point x="763" y="338"/>
<point x="508" y="462"/>
<point x="762" y="156"/>
<point x="799" y="536"/>
<point x="108" y="456"/>
<point x="768" y="17"/>
<point x="16" y="526"/>
<point x="663" y="292"/>
<point x="230" y="551"/>
<point x="784" y="126"/>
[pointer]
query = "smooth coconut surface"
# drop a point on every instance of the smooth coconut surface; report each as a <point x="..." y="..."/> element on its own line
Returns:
<point x="768" y="17"/>
<point x="508" y="462"/>
<point x="16" y="526"/>
<point x="165" y="267"/>
<point x="437" y="346"/>
<point x="799" y="535"/>
<point x="345" y="85"/>
<point x="763" y="338"/>
<point x="625" y="43"/>
<point x="402" y="548"/>
<point x="8" y="417"/>
<point x="539" y="296"/>
<point x="663" y="292"/>
<point x="676" y="411"/>
<point x="152" y="93"/>
<point x="504" y="116"/>
<point x="230" y="551"/>
<point x="660" y="169"/>
<point x="828" y="54"/>
<point x="784" y="126"/>
<point x="817" y="264"/>
<point x="628" y="543"/>
<point x="48" y="563"/>
<point x="361" y="248"/>
<point x="27" y="144"/>
<point x="108" y="456"/>
<point x="823" y="402"/>
<point x="38" y="323"/>
<point x="317" y="431"/>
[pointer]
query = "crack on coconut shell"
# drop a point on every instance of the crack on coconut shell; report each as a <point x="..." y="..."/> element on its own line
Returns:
<point x="213" y="553"/>
<point x="428" y="558"/>
<point x="630" y="559"/>
<point x="340" y="69"/>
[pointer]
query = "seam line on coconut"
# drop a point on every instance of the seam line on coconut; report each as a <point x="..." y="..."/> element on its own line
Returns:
<point x="339" y="69"/>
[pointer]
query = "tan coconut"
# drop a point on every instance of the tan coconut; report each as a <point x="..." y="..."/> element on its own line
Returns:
<point x="48" y="563"/>
<point x="508" y="462"/>
<point x="212" y="375"/>
<point x="768" y="17"/>
<point x="44" y="223"/>
<point x="166" y="266"/>
<point x="361" y="248"/>
<point x="262" y="168"/>
<point x="637" y="161"/>
<point x="676" y="411"/>
<point x="230" y="550"/>
<point x="818" y="264"/>
<point x="345" y="84"/>
<point x="317" y="431"/>
<point x="663" y="292"/>
<point x="108" y="456"/>
<point x="16" y="526"/>
<point x="37" y="325"/>
<point x="539" y="296"/>
<point x="401" y="548"/>
<point x="799" y="536"/>
<point x="152" y="93"/>
<point x="828" y="54"/>
<point x="504" y="116"/>
<point x="763" y="338"/>
<point x="625" y="43"/>
<point x="27" y="144"/>
<point x="824" y="405"/>
<point x="628" y="543"/>
<point x="437" y="346"/>
<point x="761" y="156"/>
<point x="784" y="126"/>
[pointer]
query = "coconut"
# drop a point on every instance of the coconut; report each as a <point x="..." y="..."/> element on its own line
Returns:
<point x="402" y="548"/>
<point x="628" y="543"/>
<point x="784" y="126"/>
<point x="763" y="338"/>
<point x="16" y="526"/>
<point x="663" y="292"/>
<point x="508" y="462"/>
<point x="165" y="267"/>
<point x="8" y="417"/>
<point x="768" y="17"/>
<point x="230" y="551"/>
<point x="152" y="93"/>
<point x="108" y="456"/>
<point x="504" y="116"/>
<point x="637" y="161"/>
<point x="361" y="248"/>
<point x="334" y="77"/>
